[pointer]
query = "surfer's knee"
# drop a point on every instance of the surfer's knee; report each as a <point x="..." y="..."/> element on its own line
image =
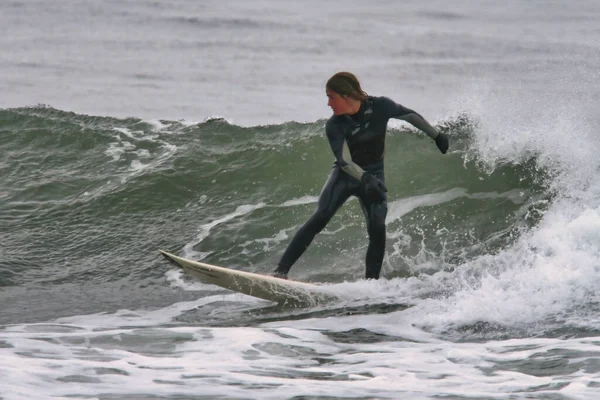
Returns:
<point x="319" y="220"/>
<point x="377" y="226"/>
<point x="376" y="222"/>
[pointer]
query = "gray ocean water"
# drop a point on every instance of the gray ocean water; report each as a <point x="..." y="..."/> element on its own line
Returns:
<point x="197" y="127"/>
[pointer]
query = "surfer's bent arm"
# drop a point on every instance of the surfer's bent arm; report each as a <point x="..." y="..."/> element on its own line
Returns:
<point x="341" y="151"/>
<point x="398" y="111"/>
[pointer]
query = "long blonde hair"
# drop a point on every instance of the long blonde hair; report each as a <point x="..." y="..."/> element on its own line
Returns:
<point x="346" y="84"/>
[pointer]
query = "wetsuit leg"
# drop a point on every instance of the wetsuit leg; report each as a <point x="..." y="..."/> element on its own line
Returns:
<point x="375" y="213"/>
<point x="337" y="190"/>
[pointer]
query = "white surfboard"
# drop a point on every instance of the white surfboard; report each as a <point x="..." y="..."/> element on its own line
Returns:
<point x="282" y="291"/>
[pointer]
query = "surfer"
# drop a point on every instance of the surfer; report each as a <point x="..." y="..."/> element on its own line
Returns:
<point x="356" y="134"/>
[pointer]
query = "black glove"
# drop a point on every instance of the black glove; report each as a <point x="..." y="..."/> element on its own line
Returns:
<point x="442" y="142"/>
<point x="374" y="188"/>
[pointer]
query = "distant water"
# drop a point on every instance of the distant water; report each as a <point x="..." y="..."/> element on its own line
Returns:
<point x="197" y="127"/>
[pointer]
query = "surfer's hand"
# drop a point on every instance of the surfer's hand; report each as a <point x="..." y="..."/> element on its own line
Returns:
<point x="442" y="142"/>
<point x="374" y="188"/>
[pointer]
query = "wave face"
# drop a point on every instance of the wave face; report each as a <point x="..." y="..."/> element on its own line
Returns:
<point x="89" y="199"/>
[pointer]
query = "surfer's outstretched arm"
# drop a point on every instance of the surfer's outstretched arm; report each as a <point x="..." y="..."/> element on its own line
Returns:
<point x="415" y="119"/>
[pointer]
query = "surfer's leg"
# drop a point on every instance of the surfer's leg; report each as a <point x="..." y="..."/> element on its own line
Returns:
<point x="375" y="213"/>
<point x="336" y="191"/>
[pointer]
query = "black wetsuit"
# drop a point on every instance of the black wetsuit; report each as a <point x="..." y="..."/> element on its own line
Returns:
<point x="358" y="143"/>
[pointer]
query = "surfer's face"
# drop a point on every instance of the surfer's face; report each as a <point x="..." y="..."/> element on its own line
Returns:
<point x="339" y="104"/>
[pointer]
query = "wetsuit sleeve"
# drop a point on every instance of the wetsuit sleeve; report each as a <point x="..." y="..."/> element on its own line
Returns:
<point x="341" y="151"/>
<point x="393" y="110"/>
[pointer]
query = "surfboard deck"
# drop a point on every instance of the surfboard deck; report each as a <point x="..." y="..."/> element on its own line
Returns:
<point x="282" y="291"/>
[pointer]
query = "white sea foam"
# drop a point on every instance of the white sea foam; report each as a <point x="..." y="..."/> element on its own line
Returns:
<point x="300" y="201"/>
<point x="277" y="360"/>
<point x="552" y="272"/>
